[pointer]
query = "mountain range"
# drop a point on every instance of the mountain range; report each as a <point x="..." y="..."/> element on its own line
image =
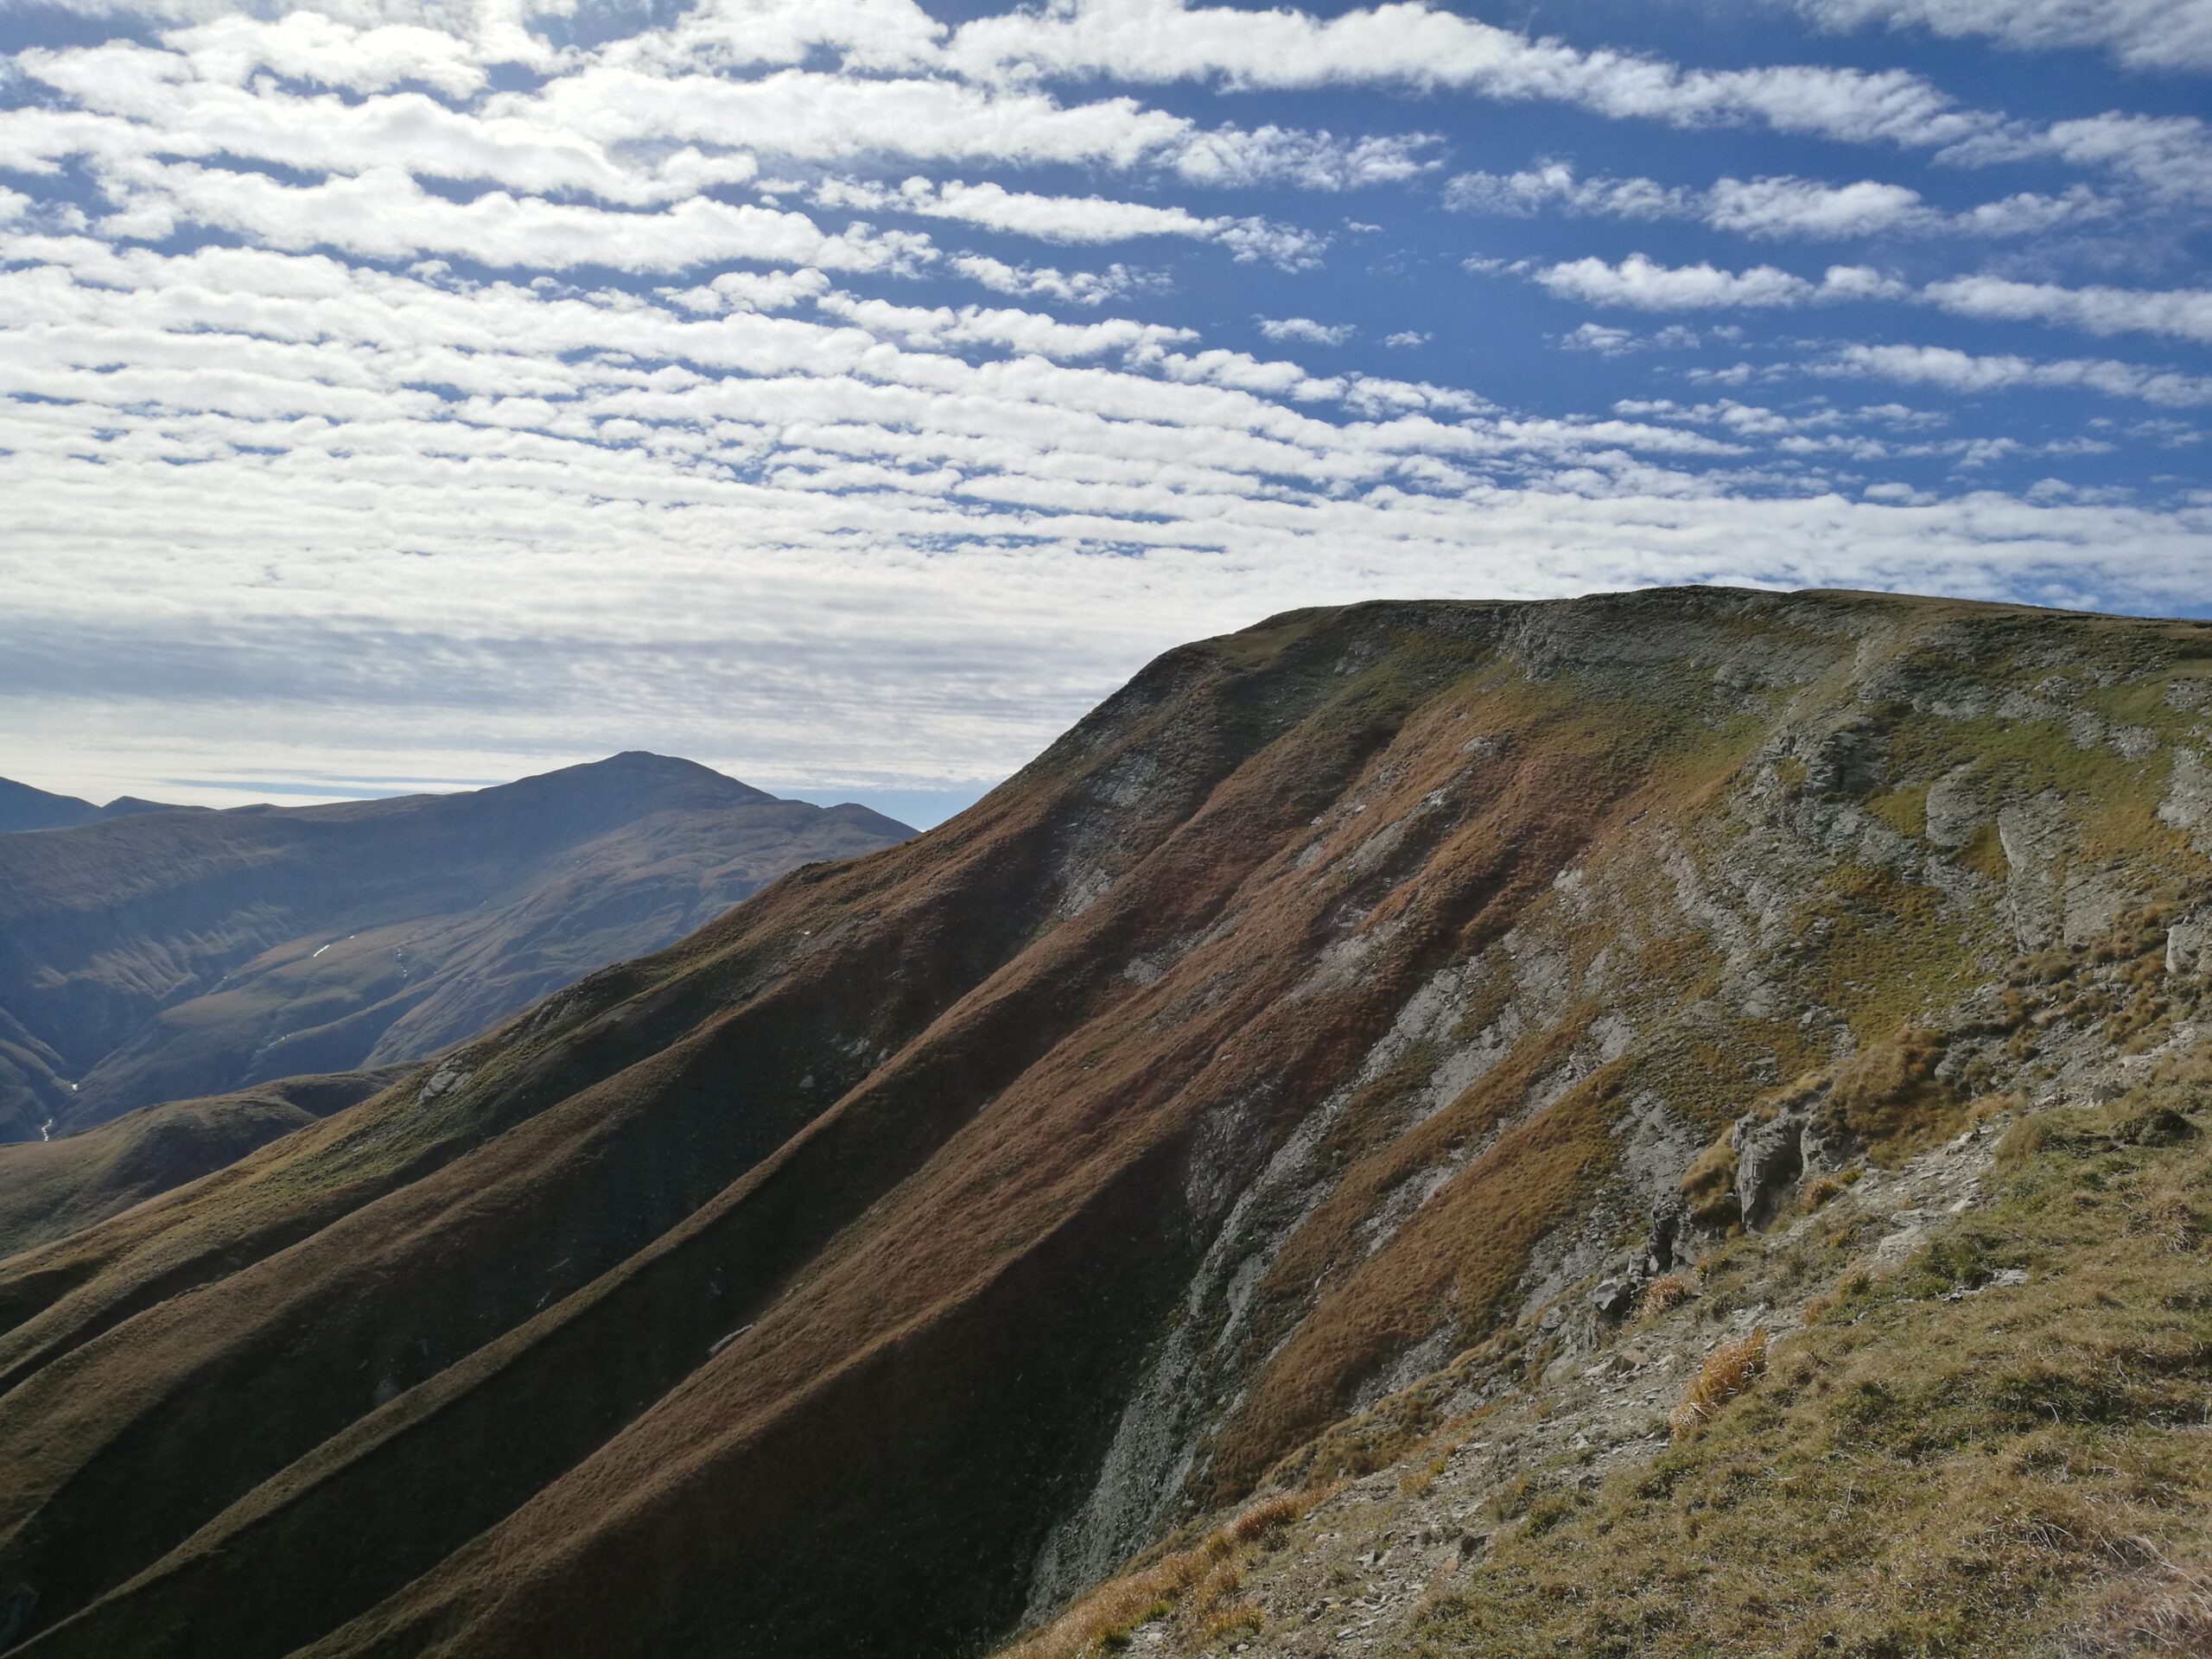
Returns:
<point x="148" y="957"/>
<point x="1240" y="1186"/>
<point x="22" y="807"/>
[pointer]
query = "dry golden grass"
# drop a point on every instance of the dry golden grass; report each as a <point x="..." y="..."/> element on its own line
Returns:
<point x="1231" y="1621"/>
<point x="1268" y="1514"/>
<point x="1667" y="1292"/>
<point x="1195" y="1586"/>
<point x="2160" y="1608"/>
<point x="1939" y="1472"/>
<point x="1709" y="1186"/>
<point x="1727" y="1371"/>
<point x="1821" y="1190"/>
<point x="1890" y="1096"/>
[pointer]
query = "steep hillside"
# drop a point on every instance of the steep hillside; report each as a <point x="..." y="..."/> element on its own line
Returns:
<point x="1956" y="1407"/>
<point x="148" y="958"/>
<point x="50" y="1189"/>
<point x="1343" y="1002"/>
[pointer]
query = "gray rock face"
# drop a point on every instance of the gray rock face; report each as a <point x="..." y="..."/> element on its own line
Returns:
<point x="2188" y="804"/>
<point x="2033" y="835"/>
<point x="1769" y="1157"/>
<point x="1955" y="807"/>
<point x="1774" y="1153"/>
<point x="2050" y="897"/>
<point x="1614" y="1297"/>
<point x="2189" y="945"/>
<point x="1847" y="762"/>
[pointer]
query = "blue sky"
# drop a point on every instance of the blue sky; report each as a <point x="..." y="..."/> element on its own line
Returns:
<point x="848" y="392"/>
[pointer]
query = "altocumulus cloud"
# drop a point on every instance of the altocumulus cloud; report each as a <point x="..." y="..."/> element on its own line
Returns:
<point x="849" y="395"/>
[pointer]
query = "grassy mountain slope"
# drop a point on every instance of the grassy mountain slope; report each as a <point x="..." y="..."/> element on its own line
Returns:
<point x="22" y="807"/>
<point x="891" y="1260"/>
<point x="153" y="957"/>
<point x="50" y="1189"/>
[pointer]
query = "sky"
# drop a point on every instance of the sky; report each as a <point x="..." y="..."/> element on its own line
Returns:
<point x="848" y="393"/>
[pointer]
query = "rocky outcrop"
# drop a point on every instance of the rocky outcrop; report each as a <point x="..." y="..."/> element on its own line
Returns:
<point x="2188" y="947"/>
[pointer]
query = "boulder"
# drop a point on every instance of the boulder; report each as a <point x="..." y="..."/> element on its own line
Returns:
<point x="2189" y="945"/>
<point x="1769" y="1157"/>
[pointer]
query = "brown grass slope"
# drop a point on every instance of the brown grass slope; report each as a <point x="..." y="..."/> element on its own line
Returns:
<point x="50" y="1189"/>
<point x="802" y="1289"/>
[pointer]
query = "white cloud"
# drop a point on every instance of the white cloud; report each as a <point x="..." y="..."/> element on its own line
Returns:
<point x="2143" y="34"/>
<point x="718" y="35"/>
<point x="1965" y="373"/>
<point x="2029" y="214"/>
<point x="311" y="47"/>
<point x="1555" y="183"/>
<point x="1770" y="208"/>
<point x="1416" y="45"/>
<point x="1596" y="337"/>
<point x="1645" y="285"/>
<point x="1052" y="219"/>
<point x="1407" y="338"/>
<point x="1787" y="207"/>
<point x="1616" y="342"/>
<point x="2167" y="434"/>
<point x="1286" y="246"/>
<point x="1073" y="218"/>
<point x="2183" y="314"/>
<point x="823" y="116"/>
<point x="2168" y="157"/>
<point x="136" y="103"/>
<point x="1313" y="161"/>
<point x="1048" y="282"/>
<point x="943" y="327"/>
<point x="384" y="213"/>
<point x="1305" y="328"/>
<point x="494" y="31"/>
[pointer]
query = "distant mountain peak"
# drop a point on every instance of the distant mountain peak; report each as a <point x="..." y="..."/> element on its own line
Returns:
<point x="633" y="766"/>
<point x="22" y="807"/>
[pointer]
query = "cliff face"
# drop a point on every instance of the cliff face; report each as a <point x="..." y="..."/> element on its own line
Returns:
<point x="890" y="1260"/>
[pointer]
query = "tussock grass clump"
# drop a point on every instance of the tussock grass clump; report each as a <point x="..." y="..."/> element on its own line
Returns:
<point x="1709" y="1187"/>
<point x="1269" y="1515"/>
<point x="1888" y="1096"/>
<point x="1197" y="1588"/>
<point x="1951" y="1462"/>
<point x="1669" y="1291"/>
<point x="1231" y="1621"/>
<point x="1728" y="1370"/>
<point x="1820" y="1191"/>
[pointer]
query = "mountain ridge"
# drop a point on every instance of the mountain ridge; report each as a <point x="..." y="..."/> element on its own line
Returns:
<point x="1338" y="997"/>
<point x="23" y="809"/>
<point x="163" y="956"/>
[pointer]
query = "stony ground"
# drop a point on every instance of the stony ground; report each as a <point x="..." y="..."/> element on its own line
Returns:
<point x="1351" y="1577"/>
<point x="1567" y="1400"/>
